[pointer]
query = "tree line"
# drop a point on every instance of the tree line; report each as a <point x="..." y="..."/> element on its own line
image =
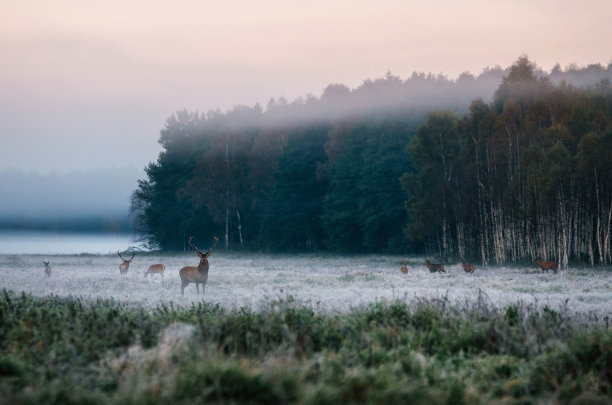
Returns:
<point x="402" y="166"/>
<point x="526" y="176"/>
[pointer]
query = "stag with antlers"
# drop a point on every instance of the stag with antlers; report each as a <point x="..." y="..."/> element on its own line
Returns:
<point x="196" y="274"/>
<point x="123" y="267"/>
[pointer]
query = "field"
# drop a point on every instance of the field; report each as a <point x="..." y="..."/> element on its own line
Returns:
<point x="301" y="329"/>
<point x="330" y="284"/>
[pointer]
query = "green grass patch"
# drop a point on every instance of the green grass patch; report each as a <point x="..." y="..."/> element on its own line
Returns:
<point x="61" y="350"/>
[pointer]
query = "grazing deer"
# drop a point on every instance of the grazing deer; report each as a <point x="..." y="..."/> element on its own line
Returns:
<point x="47" y="269"/>
<point x="196" y="274"/>
<point x="405" y="267"/>
<point x="155" y="269"/>
<point x="434" y="267"/>
<point x="123" y="267"/>
<point x="468" y="268"/>
<point x="545" y="266"/>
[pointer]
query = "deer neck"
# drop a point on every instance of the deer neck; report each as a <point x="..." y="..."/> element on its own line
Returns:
<point x="203" y="266"/>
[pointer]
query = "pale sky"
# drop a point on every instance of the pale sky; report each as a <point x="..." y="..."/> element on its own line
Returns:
<point x="89" y="84"/>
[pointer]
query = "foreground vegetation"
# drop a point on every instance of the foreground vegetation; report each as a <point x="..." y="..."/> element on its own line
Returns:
<point x="59" y="350"/>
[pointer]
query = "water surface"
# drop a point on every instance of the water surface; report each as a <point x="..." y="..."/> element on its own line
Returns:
<point x="35" y="242"/>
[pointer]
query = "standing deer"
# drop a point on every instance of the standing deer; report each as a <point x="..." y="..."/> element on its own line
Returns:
<point x="123" y="267"/>
<point x="196" y="274"/>
<point x="545" y="266"/>
<point x="404" y="268"/>
<point x="47" y="269"/>
<point x="468" y="268"/>
<point x="434" y="267"/>
<point x="155" y="269"/>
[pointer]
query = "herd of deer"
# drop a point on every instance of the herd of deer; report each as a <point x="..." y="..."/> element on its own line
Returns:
<point x="189" y="274"/>
<point x="469" y="268"/>
<point x="199" y="274"/>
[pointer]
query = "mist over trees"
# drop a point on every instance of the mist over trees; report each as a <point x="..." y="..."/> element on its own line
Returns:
<point x="504" y="166"/>
<point x="93" y="200"/>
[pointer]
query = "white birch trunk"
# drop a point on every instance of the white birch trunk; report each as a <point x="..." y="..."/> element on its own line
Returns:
<point x="598" y="224"/>
<point x="607" y="256"/>
<point x="239" y="228"/>
<point x="226" y="227"/>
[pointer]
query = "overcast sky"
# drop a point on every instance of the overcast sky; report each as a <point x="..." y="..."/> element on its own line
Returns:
<point x="88" y="85"/>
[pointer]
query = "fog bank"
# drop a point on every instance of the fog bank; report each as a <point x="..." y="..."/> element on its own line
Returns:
<point x="31" y="198"/>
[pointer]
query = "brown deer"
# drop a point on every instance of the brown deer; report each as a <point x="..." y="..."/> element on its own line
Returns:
<point x="123" y="267"/>
<point x="47" y="269"/>
<point x="545" y="266"/>
<point x="434" y="267"/>
<point x="468" y="268"/>
<point x="404" y="268"/>
<point x="155" y="269"/>
<point x="196" y="274"/>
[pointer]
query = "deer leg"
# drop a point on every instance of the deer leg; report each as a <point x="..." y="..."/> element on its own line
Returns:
<point x="198" y="287"/>
<point x="183" y="285"/>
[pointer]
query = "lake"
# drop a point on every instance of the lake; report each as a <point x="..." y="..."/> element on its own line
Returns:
<point x="36" y="242"/>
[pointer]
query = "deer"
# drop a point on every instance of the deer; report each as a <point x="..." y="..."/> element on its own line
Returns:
<point x="155" y="269"/>
<point x="123" y="267"/>
<point x="468" y="268"/>
<point x="434" y="267"/>
<point x="404" y="268"/>
<point x="196" y="274"/>
<point x="47" y="269"/>
<point x="545" y="266"/>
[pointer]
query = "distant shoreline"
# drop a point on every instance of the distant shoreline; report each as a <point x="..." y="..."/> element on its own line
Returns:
<point x="105" y="225"/>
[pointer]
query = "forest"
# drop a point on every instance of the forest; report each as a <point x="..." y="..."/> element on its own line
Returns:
<point x="507" y="166"/>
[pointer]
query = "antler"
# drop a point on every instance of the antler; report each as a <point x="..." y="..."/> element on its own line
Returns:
<point x="133" y="254"/>
<point x="214" y="246"/>
<point x="198" y="250"/>
<point x="194" y="247"/>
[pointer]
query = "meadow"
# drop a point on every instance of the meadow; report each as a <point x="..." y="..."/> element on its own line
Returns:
<point x="301" y="329"/>
<point x="326" y="283"/>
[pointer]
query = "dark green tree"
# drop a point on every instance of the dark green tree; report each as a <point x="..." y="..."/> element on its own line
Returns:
<point x="363" y="209"/>
<point x="294" y="223"/>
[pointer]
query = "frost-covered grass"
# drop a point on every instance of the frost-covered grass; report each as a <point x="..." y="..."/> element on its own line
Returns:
<point x="302" y="329"/>
<point x="325" y="283"/>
